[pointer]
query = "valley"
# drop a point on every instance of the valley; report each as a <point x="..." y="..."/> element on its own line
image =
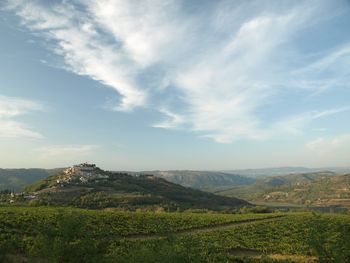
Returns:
<point x="84" y="213"/>
<point x="321" y="189"/>
<point x="88" y="186"/>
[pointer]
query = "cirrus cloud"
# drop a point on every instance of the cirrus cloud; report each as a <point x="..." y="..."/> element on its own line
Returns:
<point x="224" y="64"/>
<point x="10" y="108"/>
<point x="67" y="151"/>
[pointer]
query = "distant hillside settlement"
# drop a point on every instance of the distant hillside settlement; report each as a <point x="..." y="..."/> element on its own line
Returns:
<point x="77" y="174"/>
<point x="82" y="172"/>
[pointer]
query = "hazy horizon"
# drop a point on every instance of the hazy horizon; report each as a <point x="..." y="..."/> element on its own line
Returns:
<point x="173" y="85"/>
<point x="201" y="170"/>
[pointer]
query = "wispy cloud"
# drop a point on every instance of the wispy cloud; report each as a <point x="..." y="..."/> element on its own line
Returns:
<point x="225" y="64"/>
<point x="173" y="120"/>
<point x="9" y="109"/>
<point x="67" y="151"/>
<point x="337" y="146"/>
<point x="329" y="70"/>
<point x="84" y="49"/>
<point x="63" y="155"/>
<point x="296" y="124"/>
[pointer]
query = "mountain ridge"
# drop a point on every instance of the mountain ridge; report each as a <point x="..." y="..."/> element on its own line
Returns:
<point x="90" y="187"/>
<point x="315" y="189"/>
<point x="202" y="179"/>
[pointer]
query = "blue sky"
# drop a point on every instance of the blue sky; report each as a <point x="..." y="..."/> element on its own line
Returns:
<point x="160" y="84"/>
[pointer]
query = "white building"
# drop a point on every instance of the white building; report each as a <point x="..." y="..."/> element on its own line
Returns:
<point x="83" y="168"/>
<point x="82" y="172"/>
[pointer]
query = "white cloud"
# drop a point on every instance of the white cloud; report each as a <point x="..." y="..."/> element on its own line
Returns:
<point x="14" y="129"/>
<point x="66" y="155"/>
<point x="174" y="120"/>
<point x="147" y="30"/>
<point x="331" y="150"/>
<point x="296" y="124"/>
<point x="329" y="70"/>
<point x="84" y="50"/>
<point x="67" y="151"/>
<point x="224" y="63"/>
<point x="331" y="61"/>
<point x="12" y="107"/>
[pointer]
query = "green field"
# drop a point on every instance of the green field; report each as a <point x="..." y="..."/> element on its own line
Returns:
<point x="42" y="234"/>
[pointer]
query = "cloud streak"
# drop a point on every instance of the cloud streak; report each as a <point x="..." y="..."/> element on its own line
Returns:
<point x="331" y="150"/>
<point x="13" y="107"/>
<point x="296" y="124"/>
<point x="65" y="154"/>
<point x="224" y="64"/>
<point x="85" y="52"/>
<point x="326" y="144"/>
<point x="67" y="151"/>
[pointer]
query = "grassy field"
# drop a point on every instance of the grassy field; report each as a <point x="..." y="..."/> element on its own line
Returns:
<point x="77" y="235"/>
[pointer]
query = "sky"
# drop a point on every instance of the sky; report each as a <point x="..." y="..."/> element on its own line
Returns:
<point x="175" y="84"/>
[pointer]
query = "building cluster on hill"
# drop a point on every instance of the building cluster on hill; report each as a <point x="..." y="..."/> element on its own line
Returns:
<point x="81" y="172"/>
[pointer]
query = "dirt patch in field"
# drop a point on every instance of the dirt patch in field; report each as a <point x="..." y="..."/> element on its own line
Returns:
<point x="245" y="252"/>
<point x="294" y="258"/>
<point x="256" y="254"/>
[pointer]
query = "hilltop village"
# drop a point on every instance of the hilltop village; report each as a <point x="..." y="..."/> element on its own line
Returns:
<point x="80" y="175"/>
<point x="83" y="173"/>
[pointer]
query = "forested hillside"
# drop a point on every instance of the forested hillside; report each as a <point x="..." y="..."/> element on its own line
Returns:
<point x="16" y="179"/>
<point x="318" y="189"/>
<point x="100" y="189"/>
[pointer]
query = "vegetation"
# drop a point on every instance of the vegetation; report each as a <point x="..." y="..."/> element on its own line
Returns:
<point x="204" y="179"/>
<point x="124" y="190"/>
<point x="71" y="235"/>
<point x="16" y="179"/>
<point x="41" y="232"/>
<point x="316" y="189"/>
<point x="294" y="238"/>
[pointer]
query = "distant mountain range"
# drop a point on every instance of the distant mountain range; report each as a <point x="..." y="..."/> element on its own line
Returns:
<point x="292" y="185"/>
<point x="203" y="179"/>
<point x="219" y="180"/>
<point x="17" y="179"/>
<point x="315" y="189"/>
<point x="99" y="189"/>
<point x="274" y="171"/>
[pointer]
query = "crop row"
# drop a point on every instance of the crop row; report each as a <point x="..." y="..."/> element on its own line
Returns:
<point x="302" y="235"/>
<point x="26" y="221"/>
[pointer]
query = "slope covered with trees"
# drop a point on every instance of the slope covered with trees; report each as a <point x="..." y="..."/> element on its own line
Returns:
<point x="317" y="189"/>
<point x="16" y="179"/>
<point x="111" y="189"/>
<point x="203" y="179"/>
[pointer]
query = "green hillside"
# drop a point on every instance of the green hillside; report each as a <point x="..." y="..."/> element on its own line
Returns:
<point x="281" y="171"/>
<point x="16" y="179"/>
<point x="317" y="189"/>
<point x="203" y="179"/>
<point x="111" y="189"/>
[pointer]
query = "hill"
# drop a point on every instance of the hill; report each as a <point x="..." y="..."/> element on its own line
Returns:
<point x="89" y="186"/>
<point x="16" y="179"/>
<point x="280" y="171"/>
<point x="203" y="179"/>
<point x="316" y="189"/>
<point x="213" y="181"/>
